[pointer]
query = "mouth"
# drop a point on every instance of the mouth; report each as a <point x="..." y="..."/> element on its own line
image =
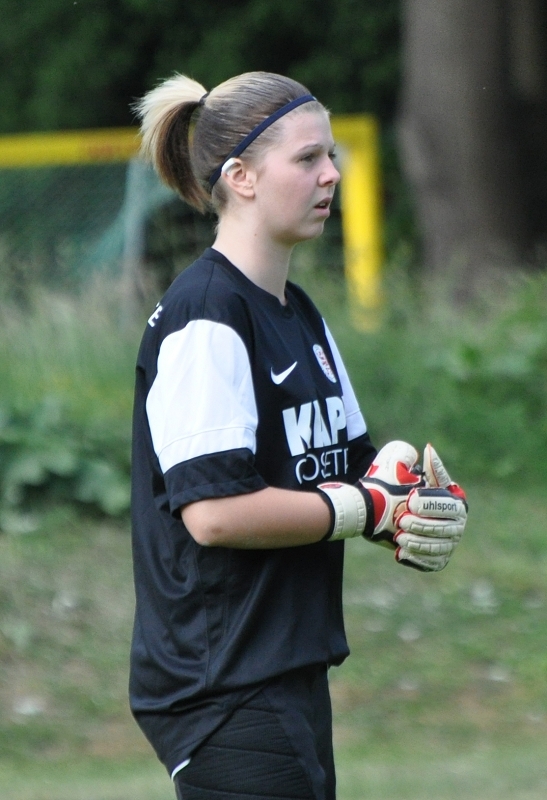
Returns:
<point x="323" y="207"/>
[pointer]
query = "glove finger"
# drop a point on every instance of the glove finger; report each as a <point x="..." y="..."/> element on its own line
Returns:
<point x="435" y="473"/>
<point x="394" y="464"/>
<point x="422" y="563"/>
<point x="425" y="545"/>
<point x="435" y="528"/>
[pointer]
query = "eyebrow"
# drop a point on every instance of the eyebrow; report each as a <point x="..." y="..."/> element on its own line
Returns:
<point x="315" y="146"/>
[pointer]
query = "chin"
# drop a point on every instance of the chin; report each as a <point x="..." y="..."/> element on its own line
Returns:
<point x="295" y="237"/>
<point x="313" y="232"/>
<point x="316" y="233"/>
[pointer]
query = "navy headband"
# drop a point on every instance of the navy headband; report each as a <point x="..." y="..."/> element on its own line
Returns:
<point x="244" y="144"/>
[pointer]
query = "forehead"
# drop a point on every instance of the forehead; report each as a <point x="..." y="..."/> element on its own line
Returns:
<point x="303" y="128"/>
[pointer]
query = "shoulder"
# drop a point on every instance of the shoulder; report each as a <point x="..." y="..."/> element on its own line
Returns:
<point x="206" y="290"/>
<point x="298" y="295"/>
<point x="304" y="304"/>
<point x="310" y="314"/>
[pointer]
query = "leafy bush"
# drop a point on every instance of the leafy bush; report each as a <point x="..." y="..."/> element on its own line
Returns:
<point x="65" y="403"/>
<point x="473" y="382"/>
<point x="46" y="457"/>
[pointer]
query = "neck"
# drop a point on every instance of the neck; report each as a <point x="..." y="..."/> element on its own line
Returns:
<point x="264" y="262"/>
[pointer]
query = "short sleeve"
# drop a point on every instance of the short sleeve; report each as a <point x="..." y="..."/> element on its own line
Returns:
<point x="202" y="399"/>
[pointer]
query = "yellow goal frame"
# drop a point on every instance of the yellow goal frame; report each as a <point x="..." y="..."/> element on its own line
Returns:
<point x="357" y="136"/>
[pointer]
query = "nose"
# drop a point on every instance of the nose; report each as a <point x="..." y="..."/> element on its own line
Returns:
<point x="330" y="176"/>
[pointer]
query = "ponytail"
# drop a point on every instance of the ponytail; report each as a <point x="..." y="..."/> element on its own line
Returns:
<point x="165" y="114"/>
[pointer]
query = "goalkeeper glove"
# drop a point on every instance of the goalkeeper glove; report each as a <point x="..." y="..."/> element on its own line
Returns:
<point x="397" y="506"/>
<point x="434" y="519"/>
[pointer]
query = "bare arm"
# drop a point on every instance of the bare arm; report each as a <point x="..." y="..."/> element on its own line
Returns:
<point x="269" y="518"/>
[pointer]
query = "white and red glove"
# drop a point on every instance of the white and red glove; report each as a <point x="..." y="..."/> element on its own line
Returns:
<point x="421" y="515"/>
<point x="434" y="519"/>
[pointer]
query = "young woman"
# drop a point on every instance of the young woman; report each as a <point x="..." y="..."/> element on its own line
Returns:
<point x="252" y="461"/>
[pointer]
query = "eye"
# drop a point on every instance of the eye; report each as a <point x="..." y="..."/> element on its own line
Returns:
<point x="308" y="158"/>
<point x="334" y="157"/>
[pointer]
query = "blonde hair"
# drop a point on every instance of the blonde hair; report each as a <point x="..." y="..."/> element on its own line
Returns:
<point x="226" y="115"/>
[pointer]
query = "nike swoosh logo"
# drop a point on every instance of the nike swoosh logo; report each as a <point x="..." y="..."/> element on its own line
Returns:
<point x="282" y="375"/>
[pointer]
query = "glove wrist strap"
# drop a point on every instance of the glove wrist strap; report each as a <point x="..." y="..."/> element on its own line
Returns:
<point x="351" y="511"/>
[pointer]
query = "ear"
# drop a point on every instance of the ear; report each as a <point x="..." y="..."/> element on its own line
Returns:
<point x="240" y="177"/>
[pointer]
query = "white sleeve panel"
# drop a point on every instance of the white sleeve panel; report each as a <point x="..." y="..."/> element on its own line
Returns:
<point x="202" y="400"/>
<point x="355" y="420"/>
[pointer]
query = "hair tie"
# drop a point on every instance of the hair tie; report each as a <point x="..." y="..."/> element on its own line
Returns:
<point x="203" y="98"/>
<point x="244" y="144"/>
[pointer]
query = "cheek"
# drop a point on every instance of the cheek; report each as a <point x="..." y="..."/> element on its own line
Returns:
<point x="292" y="207"/>
<point x="296" y="193"/>
<point x="287" y="195"/>
<point x="284" y="196"/>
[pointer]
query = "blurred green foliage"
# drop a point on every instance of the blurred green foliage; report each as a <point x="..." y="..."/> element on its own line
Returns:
<point x="65" y="403"/>
<point x="471" y="380"/>
<point x="47" y="458"/>
<point x="69" y="64"/>
<point x="473" y="383"/>
<point x="80" y="63"/>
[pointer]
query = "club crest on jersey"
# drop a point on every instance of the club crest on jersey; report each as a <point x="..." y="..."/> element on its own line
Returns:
<point x="323" y="362"/>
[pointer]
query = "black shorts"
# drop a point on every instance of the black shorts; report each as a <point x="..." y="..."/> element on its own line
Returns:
<point x="278" y="746"/>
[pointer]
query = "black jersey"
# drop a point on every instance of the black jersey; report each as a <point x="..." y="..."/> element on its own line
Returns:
<point x="234" y="392"/>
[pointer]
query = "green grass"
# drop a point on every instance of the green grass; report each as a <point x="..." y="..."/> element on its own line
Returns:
<point x="510" y="772"/>
<point x="444" y="694"/>
<point x="86" y="779"/>
<point x="442" y="697"/>
<point x="73" y="347"/>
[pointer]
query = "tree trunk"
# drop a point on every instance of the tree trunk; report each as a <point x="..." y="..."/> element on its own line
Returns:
<point x="457" y="137"/>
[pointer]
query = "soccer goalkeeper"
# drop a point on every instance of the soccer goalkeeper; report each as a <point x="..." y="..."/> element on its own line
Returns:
<point x="252" y="461"/>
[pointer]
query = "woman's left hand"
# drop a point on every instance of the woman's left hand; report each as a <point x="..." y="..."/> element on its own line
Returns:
<point x="434" y="519"/>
